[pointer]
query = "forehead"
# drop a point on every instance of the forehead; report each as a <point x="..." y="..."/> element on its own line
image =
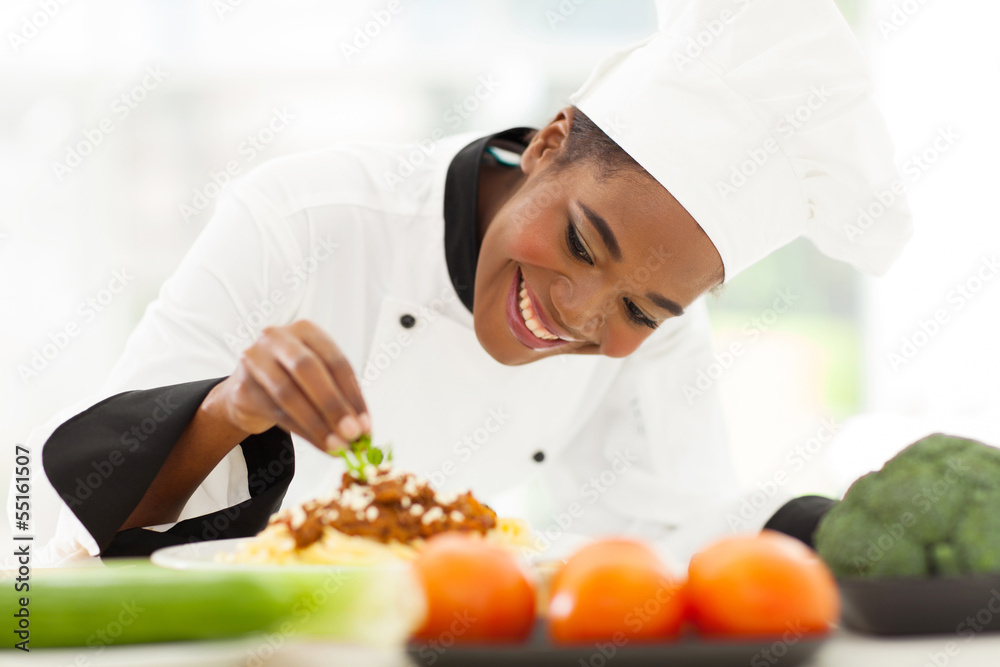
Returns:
<point x="651" y="227"/>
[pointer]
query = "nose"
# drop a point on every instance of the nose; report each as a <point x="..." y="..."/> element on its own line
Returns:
<point x="581" y="307"/>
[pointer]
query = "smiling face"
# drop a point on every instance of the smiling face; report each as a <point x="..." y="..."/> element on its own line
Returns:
<point x="575" y="261"/>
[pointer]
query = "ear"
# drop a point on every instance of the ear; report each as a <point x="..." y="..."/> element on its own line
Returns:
<point x="547" y="142"/>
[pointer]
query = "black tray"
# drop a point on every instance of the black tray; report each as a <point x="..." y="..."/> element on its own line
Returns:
<point x="910" y="606"/>
<point x="689" y="651"/>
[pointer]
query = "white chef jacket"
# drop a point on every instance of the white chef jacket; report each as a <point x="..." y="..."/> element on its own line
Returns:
<point x="352" y="238"/>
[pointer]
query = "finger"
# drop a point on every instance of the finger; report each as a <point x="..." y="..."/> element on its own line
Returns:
<point x="331" y="445"/>
<point x="339" y="367"/>
<point x="257" y="406"/>
<point x="292" y="409"/>
<point x="314" y="378"/>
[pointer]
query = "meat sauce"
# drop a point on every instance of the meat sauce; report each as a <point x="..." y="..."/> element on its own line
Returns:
<point x="390" y="506"/>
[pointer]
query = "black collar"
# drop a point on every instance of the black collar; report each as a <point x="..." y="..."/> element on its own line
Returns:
<point x="461" y="203"/>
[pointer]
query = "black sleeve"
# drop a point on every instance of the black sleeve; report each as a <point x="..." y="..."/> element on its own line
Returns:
<point x="799" y="517"/>
<point x="102" y="461"/>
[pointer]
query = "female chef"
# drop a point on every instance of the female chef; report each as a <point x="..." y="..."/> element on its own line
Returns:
<point x="522" y="308"/>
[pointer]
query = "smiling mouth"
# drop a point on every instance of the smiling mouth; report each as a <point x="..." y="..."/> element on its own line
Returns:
<point x="528" y="315"/>
<point x="523" y="321"/>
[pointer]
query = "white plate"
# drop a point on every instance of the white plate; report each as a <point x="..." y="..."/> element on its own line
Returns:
<point x="201" y="556"/>
<point x="197" y="555"/>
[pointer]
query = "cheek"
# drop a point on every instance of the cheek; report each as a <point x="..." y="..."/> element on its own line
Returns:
<point x="533" y="237"/>
<point x="622" y="340"/>
<point x="531" y="248"/>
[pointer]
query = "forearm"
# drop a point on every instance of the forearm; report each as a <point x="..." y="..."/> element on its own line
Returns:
<point x="202" y="445"/>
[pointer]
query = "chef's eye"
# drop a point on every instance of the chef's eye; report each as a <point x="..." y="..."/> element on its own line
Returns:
<point x="576" y="246"/>
<point x="635" y="314"/>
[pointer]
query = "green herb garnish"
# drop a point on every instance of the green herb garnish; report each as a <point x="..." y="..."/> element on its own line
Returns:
<point x="360" y="454"/>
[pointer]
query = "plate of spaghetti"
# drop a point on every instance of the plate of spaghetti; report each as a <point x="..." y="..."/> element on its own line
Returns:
<point x="380" y="516"/>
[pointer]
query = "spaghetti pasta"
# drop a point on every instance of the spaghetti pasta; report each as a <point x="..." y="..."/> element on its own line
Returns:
<point x="383" y="519"/>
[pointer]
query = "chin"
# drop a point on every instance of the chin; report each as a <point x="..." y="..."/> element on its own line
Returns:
<point x="500" y="344"/>
<point x="505" y="352"/>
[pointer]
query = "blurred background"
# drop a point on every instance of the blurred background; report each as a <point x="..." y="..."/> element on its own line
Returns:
<point x="118" y="117"/>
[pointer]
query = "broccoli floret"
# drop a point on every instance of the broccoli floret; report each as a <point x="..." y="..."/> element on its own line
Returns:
<point x="976" y="534"/>
<point x="930" y="511"/>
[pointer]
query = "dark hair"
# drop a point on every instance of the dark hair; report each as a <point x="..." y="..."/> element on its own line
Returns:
<point x="588" y="142"/>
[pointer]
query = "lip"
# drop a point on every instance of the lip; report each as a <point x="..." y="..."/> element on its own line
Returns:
<point x="516" y="323"/>
<point x="544" y="318"/>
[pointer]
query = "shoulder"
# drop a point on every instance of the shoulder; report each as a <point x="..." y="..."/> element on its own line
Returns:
<point x="400" y="179"/>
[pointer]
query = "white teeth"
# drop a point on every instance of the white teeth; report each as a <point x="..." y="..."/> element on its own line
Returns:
<point x="528" y="314"/>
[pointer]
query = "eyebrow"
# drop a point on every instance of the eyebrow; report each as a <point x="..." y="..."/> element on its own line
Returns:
<point x="604" y="230"/>
<point x="665" y="303"/>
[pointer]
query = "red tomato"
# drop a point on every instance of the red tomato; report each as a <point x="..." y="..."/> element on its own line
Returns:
<point x="476" y="591"/>
<point x="615" y="589"/>
<point x="761" y="585"/>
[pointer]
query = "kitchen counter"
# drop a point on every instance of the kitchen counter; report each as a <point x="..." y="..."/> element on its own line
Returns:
<point x="845" y="649"/>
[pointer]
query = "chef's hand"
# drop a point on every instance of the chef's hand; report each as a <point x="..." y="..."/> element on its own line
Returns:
<point x="296" y="378"/>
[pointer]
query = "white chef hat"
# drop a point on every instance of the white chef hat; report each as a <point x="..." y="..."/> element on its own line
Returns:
<point x="757" y="116"/>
